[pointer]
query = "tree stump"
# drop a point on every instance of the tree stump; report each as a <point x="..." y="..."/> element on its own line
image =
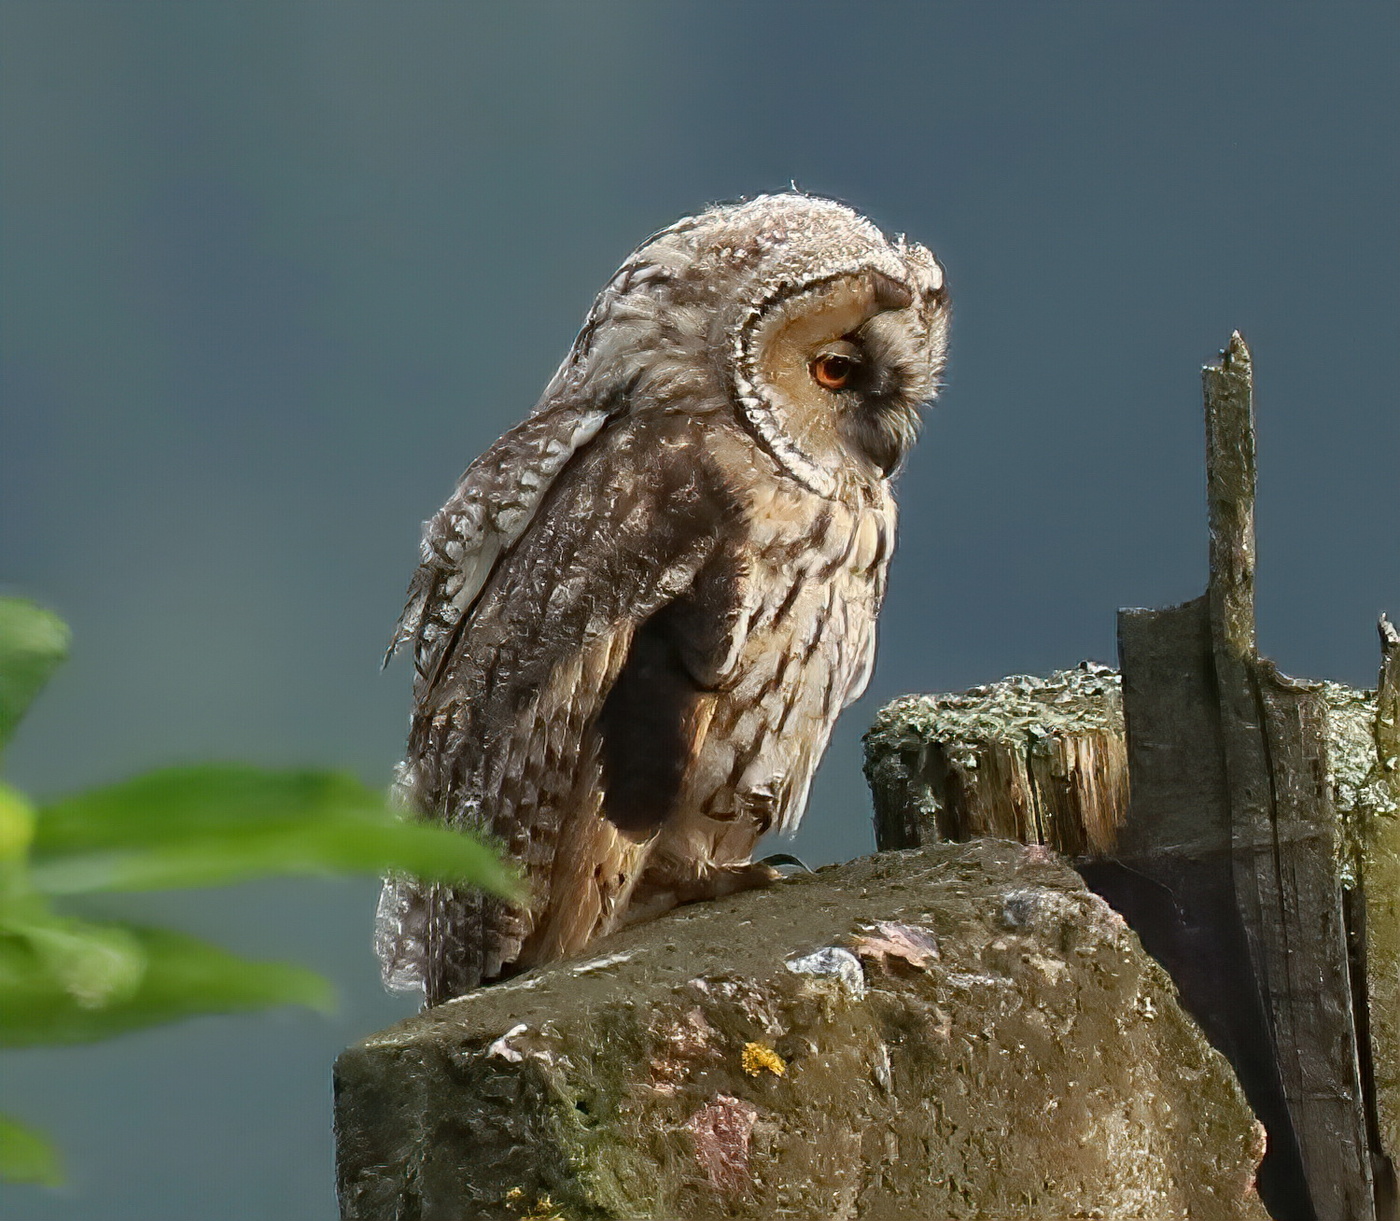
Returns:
<point x="1039" y="760"/>
<point x="961" y="1030"/>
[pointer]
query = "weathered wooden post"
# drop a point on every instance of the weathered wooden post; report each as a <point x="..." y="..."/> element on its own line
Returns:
<point x="1269" y="969"/>
<point x="1258" y="856"/>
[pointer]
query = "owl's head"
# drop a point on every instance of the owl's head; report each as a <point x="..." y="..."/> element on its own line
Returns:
<point x="826" y="336"/>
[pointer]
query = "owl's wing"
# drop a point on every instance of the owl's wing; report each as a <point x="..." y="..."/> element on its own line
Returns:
<point x="493" y="504"/>
<point x="564" y="712"/>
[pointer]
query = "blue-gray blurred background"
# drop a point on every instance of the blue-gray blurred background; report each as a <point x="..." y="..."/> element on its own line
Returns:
<point x="273" y="273"/>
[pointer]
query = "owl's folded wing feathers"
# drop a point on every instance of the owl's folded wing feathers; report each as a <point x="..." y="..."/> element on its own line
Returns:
<point x="493" y="504"/>
<point x="558" y="712"/>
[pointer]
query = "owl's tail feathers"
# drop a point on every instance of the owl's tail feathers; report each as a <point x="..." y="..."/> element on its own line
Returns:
<point x="401" y="933"/>
<point x="420" y="590"/>
<point x="444" y="942"/>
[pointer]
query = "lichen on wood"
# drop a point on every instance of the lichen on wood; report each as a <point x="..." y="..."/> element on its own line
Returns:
<point x="1380" y="871"/>
<point x="1038" y="760"/>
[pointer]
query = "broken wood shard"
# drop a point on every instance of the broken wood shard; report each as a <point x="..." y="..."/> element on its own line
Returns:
<point x="1230" y="482"/>
<point x="1232" y="817"/>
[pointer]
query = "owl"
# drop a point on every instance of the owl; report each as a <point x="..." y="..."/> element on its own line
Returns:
<point x="640" y="613"/>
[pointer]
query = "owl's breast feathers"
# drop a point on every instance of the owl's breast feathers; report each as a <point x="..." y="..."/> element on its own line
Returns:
<point x="642" y="687"/>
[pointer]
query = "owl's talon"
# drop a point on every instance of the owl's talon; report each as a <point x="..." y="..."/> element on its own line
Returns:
<point x="786" y="858"/>
<point x="732" y="879"/>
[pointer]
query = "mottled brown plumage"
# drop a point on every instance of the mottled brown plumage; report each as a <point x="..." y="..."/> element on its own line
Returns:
<point x="639" y="615"/>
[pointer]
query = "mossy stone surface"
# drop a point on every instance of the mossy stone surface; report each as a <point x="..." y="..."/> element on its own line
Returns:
<point x="956" y="1031"/>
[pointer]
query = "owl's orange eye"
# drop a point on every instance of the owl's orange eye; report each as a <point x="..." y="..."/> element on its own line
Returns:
<point x="833" y="371"/>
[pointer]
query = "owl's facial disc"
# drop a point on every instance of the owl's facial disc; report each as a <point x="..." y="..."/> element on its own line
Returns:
<point x="837" y="367"/>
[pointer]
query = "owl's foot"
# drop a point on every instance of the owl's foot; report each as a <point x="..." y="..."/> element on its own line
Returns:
<point x="655" y="895"/>
<point x="731" y="879"/>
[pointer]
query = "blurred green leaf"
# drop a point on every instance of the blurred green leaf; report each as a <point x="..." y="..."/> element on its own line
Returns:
<point x="33" y="642"/>
<point x="26" y="1156"/>
<point x="95" y="964"/>
<point x="16" y="823"/>
<point x="207" y="826"/>
<point x="66" y="980"/>
<point x="161" y="807"/>
<point x="183" y="977"/>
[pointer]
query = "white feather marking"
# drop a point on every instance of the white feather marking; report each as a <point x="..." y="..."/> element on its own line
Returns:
<point x="585" y="430"/>
<point x="475" y="569"/>
<point x="860" y="679"/>
<point x="480" y="535"/>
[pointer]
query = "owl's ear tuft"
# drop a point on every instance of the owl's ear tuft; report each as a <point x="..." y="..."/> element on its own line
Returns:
<point x="887" y="293"/>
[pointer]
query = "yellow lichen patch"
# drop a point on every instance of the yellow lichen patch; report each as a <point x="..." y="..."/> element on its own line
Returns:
<point x="544" y="1211"/>
<point x="758" y="1058"/>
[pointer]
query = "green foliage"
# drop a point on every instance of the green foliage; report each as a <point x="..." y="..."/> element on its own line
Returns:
<point x="208" y="826"/>
<point x="26" y="1156"/>
<point x="67" y="980"/>
<point x="32" y="644"/>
